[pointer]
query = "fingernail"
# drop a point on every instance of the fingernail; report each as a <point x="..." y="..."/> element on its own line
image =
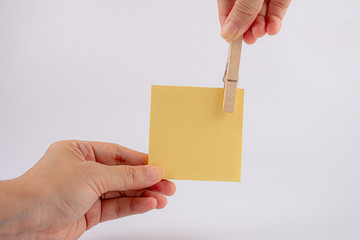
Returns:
<point x="155" y="173"/>
<point x="229" y="31"/>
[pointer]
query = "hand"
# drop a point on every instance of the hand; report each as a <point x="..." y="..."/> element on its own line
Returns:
<point x="77" y="185"/>
<point x="251" y="18"/>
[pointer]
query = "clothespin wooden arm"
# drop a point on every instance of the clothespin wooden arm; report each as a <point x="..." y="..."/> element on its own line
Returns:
<point x="231" y="76"/>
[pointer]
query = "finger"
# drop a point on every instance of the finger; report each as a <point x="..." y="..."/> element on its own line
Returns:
<point x="93" y="214"/>
<point x="124" y="177"/>
<point x="164" y="187"/>
<point x="114" y="154"/>
<point x="225" y="7"/>
<point x="249" y="37"/>
<point x="275" y="15"/>
<point x="160" y="198"/>
<point x="240" y="18"/>
<point x="258" y="26"/>
<point x="122" y="207"/>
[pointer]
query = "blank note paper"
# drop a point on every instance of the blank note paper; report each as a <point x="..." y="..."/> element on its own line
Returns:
<point x="190" y="136"/>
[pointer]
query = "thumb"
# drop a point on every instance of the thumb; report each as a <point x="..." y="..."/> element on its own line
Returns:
<point x="240" y="18"/>
<point x="125" y="177"/>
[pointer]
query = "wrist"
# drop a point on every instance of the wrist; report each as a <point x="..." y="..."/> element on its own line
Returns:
<point x="18" y="210"/>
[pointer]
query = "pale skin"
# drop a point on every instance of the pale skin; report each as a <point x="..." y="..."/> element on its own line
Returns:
<point x="251" y="18"/>
<point x="75" y="186"/>
<point x="78" y="184"/>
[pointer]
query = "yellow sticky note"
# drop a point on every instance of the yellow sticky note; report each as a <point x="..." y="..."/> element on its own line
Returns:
<point x="190" y="136"/>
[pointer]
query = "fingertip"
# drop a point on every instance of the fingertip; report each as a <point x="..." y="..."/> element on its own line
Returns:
<point x="165" y="187"/>
<point x="172" y="189"/>
<point x="155" y="173"/>
<point x="249" y="38"/>
<point x="161" y="200"/>
<point x="229" y="30"/>
<point x="142" y="205"/>
<point x="222" y="20"/>
<point x="273" y="25"/>
<point x="258" y="29"/>
<point x="162" y="204"/>
<point x="152" y="203"/>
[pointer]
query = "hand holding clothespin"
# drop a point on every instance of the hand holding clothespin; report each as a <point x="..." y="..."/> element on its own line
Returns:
<point x="231" y="76"/>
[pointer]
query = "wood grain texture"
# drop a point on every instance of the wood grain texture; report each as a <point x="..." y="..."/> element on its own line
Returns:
<point x="234" y="59"/>
<point x="232" y="75"/>
<point x="229" y="97"/>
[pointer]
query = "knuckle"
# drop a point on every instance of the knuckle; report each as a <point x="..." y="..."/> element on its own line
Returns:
<point x="244" y="9"/>
<point x="93" y="176"/>
<point x="133" y="205"/>
<point x="93" y="169"/>
<point x="118" y="209"/>
<point x="280" y="4"/>
<point x="131" y="175"/>
<point x="119" y="158"/>
<point x="55" y="145"/>
<point x="61" y="144"/>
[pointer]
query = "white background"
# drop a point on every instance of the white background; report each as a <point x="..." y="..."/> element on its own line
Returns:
<point x="82" y="69"/>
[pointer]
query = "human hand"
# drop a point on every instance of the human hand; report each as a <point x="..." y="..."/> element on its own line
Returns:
<point x="77" y="185"/>
<point x="251" y="18"/>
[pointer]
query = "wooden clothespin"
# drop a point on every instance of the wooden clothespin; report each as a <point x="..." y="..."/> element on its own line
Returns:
<point x="231" y="76"/>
